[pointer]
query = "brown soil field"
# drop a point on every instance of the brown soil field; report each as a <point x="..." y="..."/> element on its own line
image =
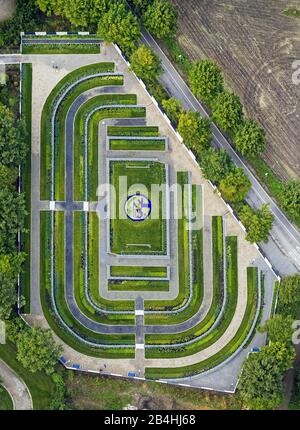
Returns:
<point x="7" y="8"/>
<point x="256" y="45"/>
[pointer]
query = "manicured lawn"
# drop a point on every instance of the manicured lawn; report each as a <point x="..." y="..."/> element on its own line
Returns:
<point x="142" y="131"/>
<point x="63" y="84"/>
<point x="137" y="144"/>
<point x="141" y="285"/>
<point x="61" y="304"/>
<point x="139" y="271"/>
<point x="55" y="48"/>
<point x="183" y="269"/>
<point x="6" y="403"/>
<point x="243" y="330"/>
<point x="93" y="261"/>
<point x="26" y="103"/>
<point x="137" y="237"/>
<point x="79" y="284"/>
<point x="39" y="384"/>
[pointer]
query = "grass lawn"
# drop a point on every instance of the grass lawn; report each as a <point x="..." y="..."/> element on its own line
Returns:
<point x="79" y="285"/>
<point x="139" y="271"/>
<point x="128" y="130"/>
<point x="62" y="307"/>
<point x="137" y="144"/>
<point x="6" y="403"/>
<point x="26" y="103"/>
<point x="133" y="285"/>
<point x="39" y="384"/>
<point x="66" y="48"/>
<point x="137" y="237"/>
<point x="63" y="84"/>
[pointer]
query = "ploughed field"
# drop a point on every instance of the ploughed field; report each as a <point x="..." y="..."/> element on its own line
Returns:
<point x="256" y="45"/>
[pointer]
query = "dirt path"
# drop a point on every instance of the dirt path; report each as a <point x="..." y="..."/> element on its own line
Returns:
<point x="7" y="8"/>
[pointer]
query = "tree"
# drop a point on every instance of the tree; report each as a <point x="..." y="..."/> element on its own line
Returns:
<point x="10" y="266"/>
<point x="36" y="350"/>
<point x="250" y="138"/>
<point x="235" y="186"/>
<point x="11" y="218"/>
<point x="160" y="18"/>
<point x="279" y="329"/>
<point x="290" y="197"/>
<point x="206" y="80"/>
<point x="13" y="147"/>
<point x="78" y="12"/>
<point x="289" y="296"/>
<point x="141" y="5"/>
<point x="145" y="63"/>
<point x="227" y="111"/>
<point x="258" y="223"/>
<point x="119" y="25"/>
<point x="195" y="131"/>
<point x="260" y="384"/>
<point x="215" y="165"/>
<point x="173" y="109"/>
<point x="8" y="177"/>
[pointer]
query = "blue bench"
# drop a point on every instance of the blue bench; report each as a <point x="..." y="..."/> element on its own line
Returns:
<point x="255" y="349"/>
<point x="63" y="360"/>
<point x="76" y="366"/>
<point x="131" y="374"/>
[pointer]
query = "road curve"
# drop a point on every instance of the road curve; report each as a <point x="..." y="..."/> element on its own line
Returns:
<point x="16" y="387"/>
<point x="283" y="248"/>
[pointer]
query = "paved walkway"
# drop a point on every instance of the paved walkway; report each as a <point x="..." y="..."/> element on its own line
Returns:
<point x="16" y="387"/>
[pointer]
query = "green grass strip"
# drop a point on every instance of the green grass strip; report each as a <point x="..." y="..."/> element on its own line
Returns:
<point x="48" y="107"/>
<point x="140" y="285"/>
<point x="26" y="105"/>
<point x="227" y="350"/>
<point x="132" y="131"/>
<point x="184" y="271"/>
<point x="139" y="271"/>
<point x="137" y="145"/>
<point x="62" y="306"/>
<point x="93" y="262"/>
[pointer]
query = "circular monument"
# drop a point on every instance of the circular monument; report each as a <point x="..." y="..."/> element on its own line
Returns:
<point x="137" y="207"/>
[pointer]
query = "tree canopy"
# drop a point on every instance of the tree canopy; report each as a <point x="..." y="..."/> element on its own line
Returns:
<point x="258" y="223"/>
<point x="279" y="328"/>
<point x="227" y="111"/>
<point x="235" y="186"/>
<point x="119" y="25"/>
<point x="206" y="80"/>
<point x="250" y="139"/>
<point x="289" y="295"/>
<point x="10" y="266"/>
<point x="145" y="63"/>
<point x="195" y="131"/>
<point x="160" y="18"/>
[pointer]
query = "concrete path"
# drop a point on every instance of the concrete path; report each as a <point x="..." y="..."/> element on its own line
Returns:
<point x="16" y="387"/>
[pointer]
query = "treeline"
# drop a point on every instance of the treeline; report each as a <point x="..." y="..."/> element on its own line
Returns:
<point x="261" y="382"/>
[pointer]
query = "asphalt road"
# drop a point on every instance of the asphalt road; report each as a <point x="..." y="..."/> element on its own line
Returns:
<point x="283" y="248"/>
